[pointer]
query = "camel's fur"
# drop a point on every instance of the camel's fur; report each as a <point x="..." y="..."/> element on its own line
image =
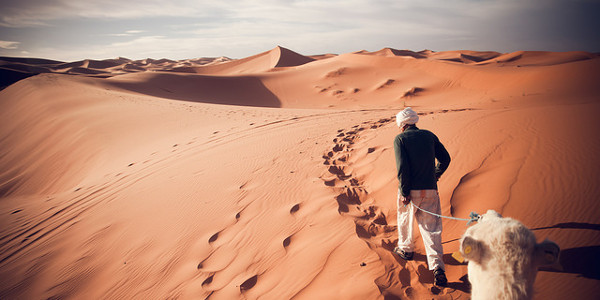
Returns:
<point x="504" y="257"/>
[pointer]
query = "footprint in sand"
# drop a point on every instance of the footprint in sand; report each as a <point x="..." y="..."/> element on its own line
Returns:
<point x="350" y="196"/>
<point x="213" y="238"/>
<point x="208" y="280"/>
<point x="409" y="292"/>
<point x="295" y="208"/>
<point x="338" y="147"/>
<point x="349" y="139"/>
<point x="287" y="241"/>
<point x="339" y="172"/>
<point x="362" y="231"/>
<point x="249" y="283"/>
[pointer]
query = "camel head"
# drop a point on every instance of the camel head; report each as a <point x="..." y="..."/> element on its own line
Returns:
<point x="504" y="257"/>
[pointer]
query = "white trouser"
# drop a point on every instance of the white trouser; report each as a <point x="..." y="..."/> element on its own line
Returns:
<point x="429" y="225"/>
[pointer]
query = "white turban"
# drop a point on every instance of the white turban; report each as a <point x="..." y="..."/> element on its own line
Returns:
<point x="407" y="116"/>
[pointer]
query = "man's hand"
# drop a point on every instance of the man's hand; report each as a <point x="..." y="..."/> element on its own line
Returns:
<point x="406" y="200"/>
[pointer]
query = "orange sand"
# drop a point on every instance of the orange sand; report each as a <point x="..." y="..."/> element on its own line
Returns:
<point x="273" y="176"/>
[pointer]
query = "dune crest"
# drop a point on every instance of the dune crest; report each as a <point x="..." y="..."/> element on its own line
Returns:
<point x="277" y="57"/>
<point x="14" y="69"/>
<point x="390" y="52"/>
<point x="541" y="58"/>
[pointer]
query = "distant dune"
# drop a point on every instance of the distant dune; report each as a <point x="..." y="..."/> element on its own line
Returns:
<point x="15" y="68"/>
<point x="394" y="52"/>
<point x="278" y="57"/>
<point x="273" y="176"/>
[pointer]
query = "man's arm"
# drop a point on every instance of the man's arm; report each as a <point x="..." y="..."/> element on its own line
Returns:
<point x="402" y="167"/>
<point x="443" y="157"/>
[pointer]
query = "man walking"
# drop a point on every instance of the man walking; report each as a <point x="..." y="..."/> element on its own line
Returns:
<point x="416" y="151"/>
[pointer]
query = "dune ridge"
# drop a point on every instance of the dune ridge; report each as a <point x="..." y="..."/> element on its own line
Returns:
<point x="273" y="176"/>
<point x="16" y="68"/>
<point x="390" y="52"/>
<point x="278" y="57"/>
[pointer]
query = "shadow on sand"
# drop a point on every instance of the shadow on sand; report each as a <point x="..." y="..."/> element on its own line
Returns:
<point x="584" y="261"/>
<point x="231" y="90"/>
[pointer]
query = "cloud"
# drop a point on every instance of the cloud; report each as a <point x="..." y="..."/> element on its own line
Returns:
<point x="9" y="45"/>
<point x="127" y="33"/>
<point x="136" y="48"/>
<point x="40" y="13"/>
<point x="18" y="13"/>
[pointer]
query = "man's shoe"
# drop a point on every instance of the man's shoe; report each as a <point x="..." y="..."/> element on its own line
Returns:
<point x="439" y="277"/>
<point x="403" y="254"/>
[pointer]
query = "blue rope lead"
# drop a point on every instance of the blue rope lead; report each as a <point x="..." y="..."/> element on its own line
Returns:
<point x="474" y="217"/>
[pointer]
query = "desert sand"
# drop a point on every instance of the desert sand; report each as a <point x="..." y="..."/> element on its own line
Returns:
<point x="273" y="176"/>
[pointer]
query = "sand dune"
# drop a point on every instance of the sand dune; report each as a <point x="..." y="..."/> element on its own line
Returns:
<point x="242" y="90"/>
<point x="272" y="176"/>
<point x="395" y="52"/>
<point x="541" y="58"/>
<point x="322" y="56"/>
<point x="277" y="57"/>
<point x="464" y="56"/>
<point x="15" y="69"/>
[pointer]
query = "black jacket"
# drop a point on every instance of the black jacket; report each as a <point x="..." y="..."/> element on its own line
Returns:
<point x="416" y="151"/>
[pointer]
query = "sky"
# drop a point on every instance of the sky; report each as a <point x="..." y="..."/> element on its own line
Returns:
<point x="70" y="30"/>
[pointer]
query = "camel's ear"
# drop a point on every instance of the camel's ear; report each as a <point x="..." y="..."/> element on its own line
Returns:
<point x="471" y="249"/>
<point x="546" y="253"/>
